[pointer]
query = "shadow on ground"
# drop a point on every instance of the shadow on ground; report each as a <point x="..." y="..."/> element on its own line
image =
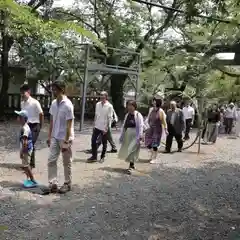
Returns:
<point x="9" y="136"/>
<point x="18" y="187"/>
<point x="167" y="203"/>
<point x="15" y="166"/>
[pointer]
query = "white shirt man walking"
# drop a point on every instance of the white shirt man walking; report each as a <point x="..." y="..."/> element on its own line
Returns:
<point x="230" y="117"/>
<point x="102" y="123"/>
<point x="189" y="114"/>
<point x="60" y="137"/>
<point x="35" y="117"/>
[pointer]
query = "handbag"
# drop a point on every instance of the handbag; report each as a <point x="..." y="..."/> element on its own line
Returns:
<point x="114" y="123"/>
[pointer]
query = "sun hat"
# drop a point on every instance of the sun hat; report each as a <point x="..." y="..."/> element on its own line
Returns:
<point x="22" y="113"/>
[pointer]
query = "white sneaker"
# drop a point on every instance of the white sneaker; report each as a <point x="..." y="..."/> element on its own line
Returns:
<point x="154" y="157"/>
<point x="150" y="155"/>
<point x="153" y="161"/>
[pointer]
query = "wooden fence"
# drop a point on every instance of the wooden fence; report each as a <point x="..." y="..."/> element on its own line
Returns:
<point x="14" y="103"/>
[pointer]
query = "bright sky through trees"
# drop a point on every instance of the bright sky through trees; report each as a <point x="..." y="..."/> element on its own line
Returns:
<point x="68" y="3"/>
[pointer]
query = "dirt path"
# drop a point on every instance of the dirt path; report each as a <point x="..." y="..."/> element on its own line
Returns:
<point x="185" y="196"/>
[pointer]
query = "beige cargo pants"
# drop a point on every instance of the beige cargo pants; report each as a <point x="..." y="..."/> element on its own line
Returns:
<point x="55" y="150"/>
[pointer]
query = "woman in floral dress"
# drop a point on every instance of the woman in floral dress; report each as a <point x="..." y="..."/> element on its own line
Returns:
<point x="157" y="124"/>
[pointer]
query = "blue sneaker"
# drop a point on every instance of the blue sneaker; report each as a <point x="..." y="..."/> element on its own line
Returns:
<point x="29" y="184"/>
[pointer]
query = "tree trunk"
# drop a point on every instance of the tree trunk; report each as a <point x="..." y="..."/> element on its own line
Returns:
<point x="4" y="66"/>
<point x="116" y="91"/>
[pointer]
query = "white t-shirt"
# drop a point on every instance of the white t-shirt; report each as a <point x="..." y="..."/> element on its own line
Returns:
<point x="103" y="115"/>
<point x="230" y="113"/>
<point x="33" y="108"/>
<point x="26" y="132"/>
<point x="188" y="112"/>
<point x="61" y="113"/>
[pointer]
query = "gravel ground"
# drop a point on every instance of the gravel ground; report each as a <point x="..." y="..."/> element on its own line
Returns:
<point x="185" y="196"/>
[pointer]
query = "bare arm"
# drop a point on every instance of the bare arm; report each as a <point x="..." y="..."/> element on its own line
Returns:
<point x="163" y="119"/>
<point x="25" y="140"/>
<point x="68" y="130"/>
<point x="95" y="116"/>
<point x="141" y="124"/>
<point x="40" y="113"/>
<point x="41" y="118"/>
<point x="69" y="119"/>
<point x="109" y="118"/>
<point x="193" y="115"/>
<point x="50" y="128"/>
<point x="25" y="144"/>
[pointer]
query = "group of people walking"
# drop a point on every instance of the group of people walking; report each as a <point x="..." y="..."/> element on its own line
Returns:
<point x="220" y="119"/>
<point x="135" y="130"/>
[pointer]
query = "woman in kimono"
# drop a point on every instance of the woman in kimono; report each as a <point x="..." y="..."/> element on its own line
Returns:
<point x="131" y="135"/>
<point x="213" y="122"/>
<point x="157" y="127"/>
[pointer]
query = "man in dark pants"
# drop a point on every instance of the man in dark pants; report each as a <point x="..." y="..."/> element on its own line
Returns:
<point x="109" y="135"/>
<point x="35" y="116"/>
<point x="230" y="117"/>
<point x="102" y="123"/>
<point x="189" y="114"/>
<point x="111" y="141"/>
<point x="176" y="125"/>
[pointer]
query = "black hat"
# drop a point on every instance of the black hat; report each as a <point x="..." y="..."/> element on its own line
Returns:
<point x="24" y="88"/>
<point x="61" y="85"/>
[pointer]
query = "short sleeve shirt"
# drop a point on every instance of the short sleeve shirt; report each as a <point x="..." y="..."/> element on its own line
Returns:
<point x="33" y="108"/>
<point x="188" y="112"/>
<point x="26" y="132"/>
<point x="61" y="113"/>
<point x="103" y="115"/>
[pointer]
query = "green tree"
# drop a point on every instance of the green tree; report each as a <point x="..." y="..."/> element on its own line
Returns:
<point x="121" y="24"/>
<point x="29" y="22"/>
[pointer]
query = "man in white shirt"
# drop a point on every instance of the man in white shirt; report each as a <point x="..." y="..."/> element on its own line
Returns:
<point x="109" y="135"/>
<point x="102" y="123"/>
<point x="189" y="114"/>
<point x="60" y="137"/>
<point x="230" y="117"/>
<point x="35" y="116"/>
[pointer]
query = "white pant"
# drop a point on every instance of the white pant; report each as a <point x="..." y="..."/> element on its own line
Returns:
<point x="237" y="128"/>
<point x="55" y="150"/>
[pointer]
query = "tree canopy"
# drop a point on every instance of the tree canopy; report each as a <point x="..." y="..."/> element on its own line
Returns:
<point x="178" y="47"/>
